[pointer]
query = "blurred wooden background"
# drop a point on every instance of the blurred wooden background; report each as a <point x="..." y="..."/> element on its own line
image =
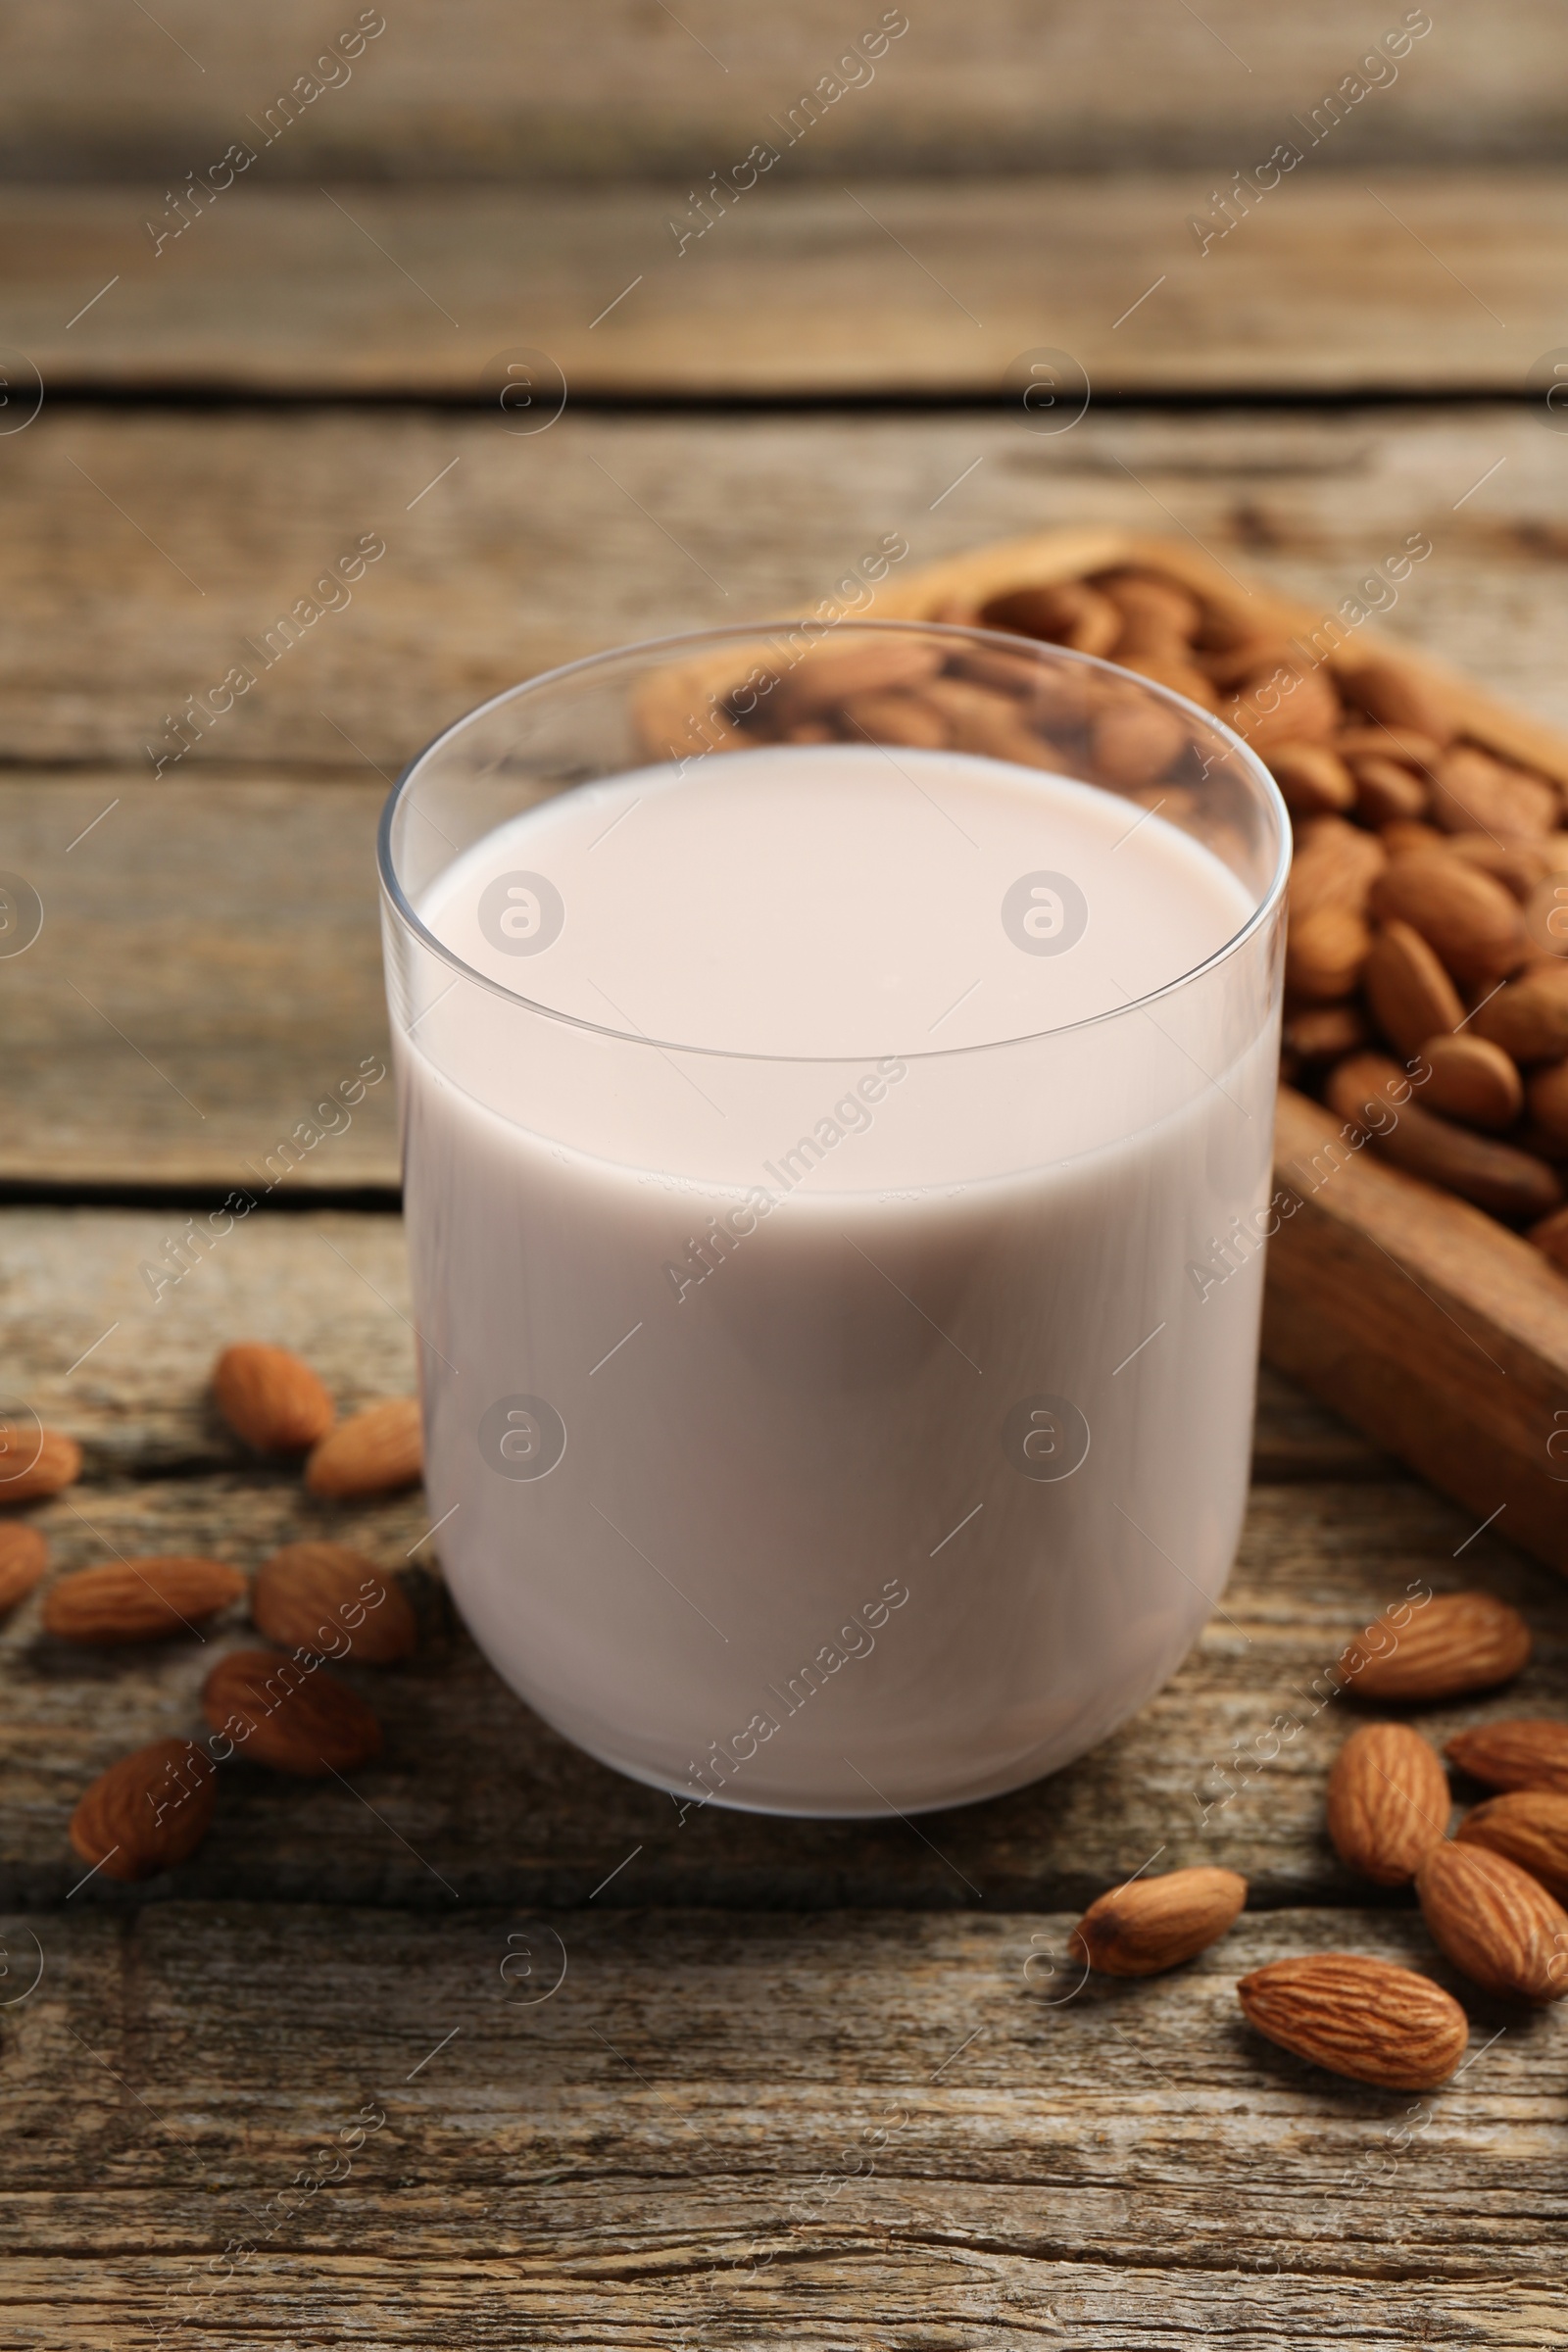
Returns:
<point x="211" y="392"/>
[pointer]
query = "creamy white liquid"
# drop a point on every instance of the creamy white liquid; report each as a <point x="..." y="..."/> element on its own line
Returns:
<point x="838" y="1429"/>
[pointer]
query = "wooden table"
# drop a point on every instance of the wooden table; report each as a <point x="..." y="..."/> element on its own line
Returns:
<point x="642" y="2081"/>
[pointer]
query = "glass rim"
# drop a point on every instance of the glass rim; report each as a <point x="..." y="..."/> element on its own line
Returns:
<point x="1001" y="640"/>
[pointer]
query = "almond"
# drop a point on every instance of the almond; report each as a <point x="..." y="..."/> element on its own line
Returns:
<point x="1134" y="741"/>
<point x="271" y="1398"/>
<point x="148" y="1811"/>
<point x="1369" y="1092"/>
<point x="1385" y="790"/>
<point x="1520" y="1752"/>
<point x="1312" y="778"/>
<point x="1529" y="1827"/>
<point x="979" y="718"/>
<point x="1334" y="864"/>
<point x="1153" y="608"/>
<point x="1472" y="922"/>
<point x="331" y="1599"/>
<point x="1472" y="1080"/>
<point x="1389" y="1801"/>
<point x="1547" y="1093"/>
<point x="1410" y="993"/>
<point x="1325" y="954"/>
<point x="139" y="1601"/>
<point x="1153" y="1924"/>
<point x="294" y="1717"/>
<point x="1494" y="1922"/>
<point x="1325" y="1032"/>
<point x="830" y="676"/>
<point x="1517" y="865"/>
<point x="907" y="718"/>
<point x="1547" y="911"/>
<point x="1479" y="794"/>
<point x="1440" y="1648"/>
<point x="1397" y="696"/>
<point x="1283" y="702"/>
<point x="1551" y="1236"/>
<point x="1362" y="2017"/>
<point x="1529" y="1018"/>
<point x="1404" y="743"/>
<point x="1065" y="612"/>
<point x="23" y="1558"/>
<point x="374" y="1452"/>
<point x="35" y="1464"/>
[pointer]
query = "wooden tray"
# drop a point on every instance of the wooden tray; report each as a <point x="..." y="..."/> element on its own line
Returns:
<point x="1435" y="1329"/>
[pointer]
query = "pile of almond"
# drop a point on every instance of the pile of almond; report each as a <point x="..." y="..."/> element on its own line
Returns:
<point x="312" y="1600"/>
<point x="1427" y="962"/>
<point x="1492" y="1896"/>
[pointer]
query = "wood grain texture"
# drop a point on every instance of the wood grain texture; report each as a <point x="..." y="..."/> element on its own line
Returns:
<point x="484" y="1792"/>
<point x="616" y="90"/>
<point x="1442" y="1333"/>
<point x="1333" y="281"/>
<point x="741" y="2132"/>
<point x="533" y="550"/>
<point x="205" y="996"/>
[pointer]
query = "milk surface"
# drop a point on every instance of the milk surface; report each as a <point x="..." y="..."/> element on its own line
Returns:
<point x="824" y="1415"/>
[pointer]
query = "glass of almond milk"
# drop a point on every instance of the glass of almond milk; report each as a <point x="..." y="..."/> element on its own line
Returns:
<point x="831" y="1059"/>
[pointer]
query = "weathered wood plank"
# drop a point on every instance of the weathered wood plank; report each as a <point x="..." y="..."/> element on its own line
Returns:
<point x="333" y="1286"/>
<point x="614" y="90"/>
<point x="1332" y="281"/>
<point x="753" y="2131"/>
<point x="535" y="551"/>
<point x="1223" y="1765"/>
<point x="205" y="996"/>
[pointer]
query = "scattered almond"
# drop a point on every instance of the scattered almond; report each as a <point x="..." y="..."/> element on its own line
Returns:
<point x="139" y="1601"/>
<point x="148" y="1811"/>
<point x="1410" y="993"/>
<point x="270" y="1397"/>
<point x="23" y="1558"/>
<point x="330" y="1598"/>
<point x="1372" y="1093"/>
<point x="372" y="1453"/>
<point x="293" y="1717"/>
<point x="1440" y="1648"/>
<point x="1520" y="1752"/>
<point x="1388" y="1801"/>
<point x="1362" y="2017"/>
<point x="1529" y="1827"/>
<point x="56" y="1463"/>
<point x="1154" y="1924"/>
<point x="1494" y="1922"/>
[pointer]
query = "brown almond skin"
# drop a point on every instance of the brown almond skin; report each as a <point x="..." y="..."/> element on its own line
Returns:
<point x="1325" y="1032"/>
<point x="298" y="1720"/>
<point x="1154" y="1924"/>
<point x="1528" y="1827"/>
<point x="1453" y="1644"/>
<point x="1388" y="1803"/>
<point x="139" y="1601"/>
<point x="1551" y="1236"/>
<point x="1367" y="1087"/>
<point x="374" y="1452"/>
<point x="148" y="1811"/>
<point x="1529" y="1018"/>
<point x="1387" y="791"/>
<point x="980" y="719"/>
<point x="1325" y="952"/>
<point x="23" y="1558"/>
<point x="1479" y="794"/>
<point x="1520" y="1752"/>
<point x="1312" y="778"/>
<point x="1546" y="1095"/>
<point x="1283" y="702"/>
<point x="831" y="674"/>
<point x="1496" y="1922"/>
<point x="1471" y="1080"/>
<point x="1473" y="924"/>
<point x="57" y="1464"/>
<point x="1362" y="2017"/>
<point x="270" y="1397"/>
<point x="1134" y="742"/>
<point x="1065" y="612"/>
<point x="1410" y="993"/>
<point x="1333" y="864"/>
<point x="907" y="718"/>
<point x="1388" y="691"/>
<point x="330" y="1598"/>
